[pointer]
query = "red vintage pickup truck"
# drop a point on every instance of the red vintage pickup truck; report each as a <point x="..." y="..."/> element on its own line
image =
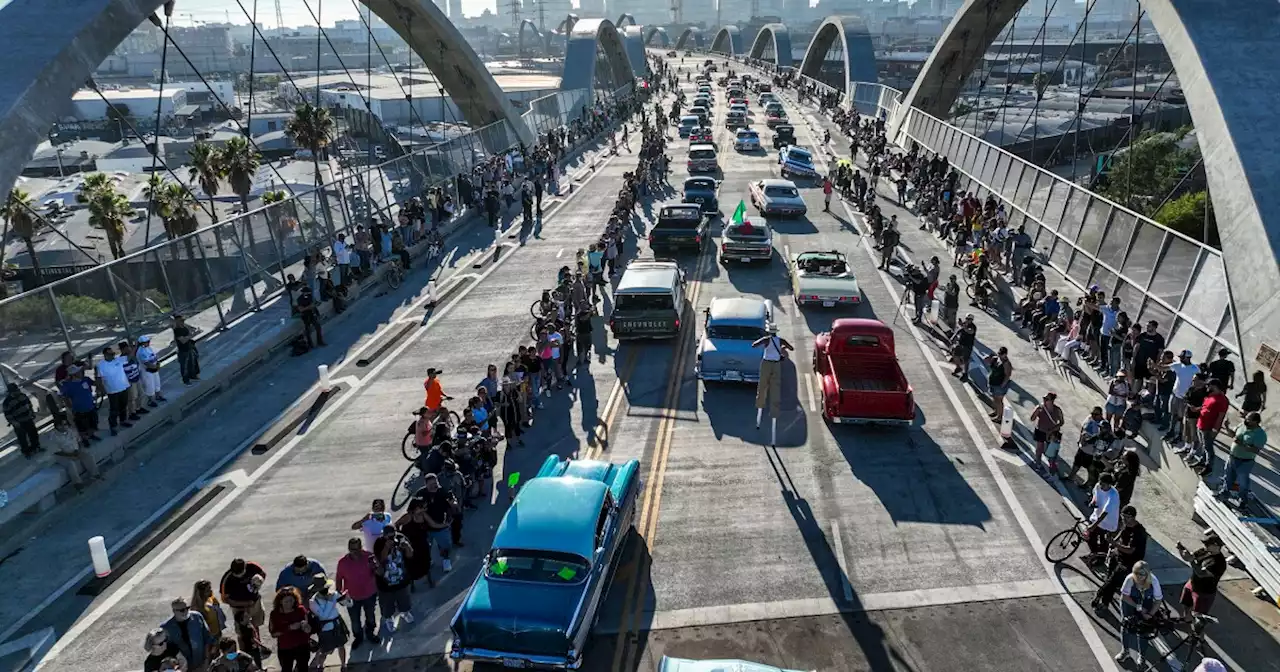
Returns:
<point x="859" y="375"/>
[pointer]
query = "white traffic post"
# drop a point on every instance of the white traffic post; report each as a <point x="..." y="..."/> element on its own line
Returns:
<point x="98" y="553"/>
<point x="323" y="370"/>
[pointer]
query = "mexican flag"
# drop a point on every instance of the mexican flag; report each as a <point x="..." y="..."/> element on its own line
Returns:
<point x="739" y="214"/>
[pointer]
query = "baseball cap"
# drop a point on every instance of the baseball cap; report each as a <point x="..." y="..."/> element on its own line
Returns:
<point x="144" y="339"/>
<point x="1185" y="353"/>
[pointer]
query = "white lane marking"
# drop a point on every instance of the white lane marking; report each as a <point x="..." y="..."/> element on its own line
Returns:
<point x="810" y="384"/>
<point x="560" y="253"/>
<point x="838" y="544"/>
<point x="1081" y="620"/>
<point x="238" y="478"/>
<point x="34" y="644"/>
<point x="212" y="514"/>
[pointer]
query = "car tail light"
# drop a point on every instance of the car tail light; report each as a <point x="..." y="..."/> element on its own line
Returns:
<point x="690" y="165"/>
<point x="651" y="239"/>
<point x="698" y="239"/>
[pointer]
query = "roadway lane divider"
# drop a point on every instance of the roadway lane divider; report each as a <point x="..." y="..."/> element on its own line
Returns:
<point x="599" y="443"/>
<point x="633" y="604"/>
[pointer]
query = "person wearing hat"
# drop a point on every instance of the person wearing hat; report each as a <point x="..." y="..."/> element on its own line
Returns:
<point x="435" y="391"/>
<point x="769" y="387"/>
<point x="309" y="312"/>
<point x="187" y="629"/>
<point x="21" y="416"/>
<point x="1117" y="397"/>
<point x="79" y="395"/>
<point x="188" y="355"/>
<point x="331" y="631"/>
<point x="150" y="363"/>
<point x="1208" y="564"/>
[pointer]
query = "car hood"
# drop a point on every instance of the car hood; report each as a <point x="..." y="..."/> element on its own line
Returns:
<point x="518" y="617"/>
<point x="822" y="285"/>
<point x="793" y="202"/>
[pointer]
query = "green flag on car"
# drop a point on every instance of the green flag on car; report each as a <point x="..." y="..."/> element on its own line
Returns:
<point x="740" y="213"/>
<point x="513" y="479"/>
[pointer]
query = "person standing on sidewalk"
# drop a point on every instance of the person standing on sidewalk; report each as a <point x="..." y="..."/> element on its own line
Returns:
<point x="826" y="193"/>
<point x="962" y="342"/>
<point x="1048" y="420"/>
<point x="392" y="551"/>
<point x="355" y="577"/>
<point x="188" y="355"/>
<point x="150" y="363"/>
<point x="1212" y="414"/>
<point x="309" y="312"/>
<point x="342" y="255"/>
<point x="1184" y="373"/>
<point x="1000" y="373"/>
<point x="21" y="416"/>
<point x="133" y="370"/>
<point x="114" y="382"/>
<point x="1249" y="440"/>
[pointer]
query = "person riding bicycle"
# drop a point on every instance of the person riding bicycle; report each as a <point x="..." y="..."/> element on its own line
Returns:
<point x="563" y="276"/>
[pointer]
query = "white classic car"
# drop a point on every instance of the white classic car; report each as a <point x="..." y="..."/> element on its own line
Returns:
<point x="823" y="278"/>
<point x="778" y="197"/>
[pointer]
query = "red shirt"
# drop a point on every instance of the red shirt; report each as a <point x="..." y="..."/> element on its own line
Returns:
<point x="355" y="576"/>
<point x="1213" y="411"/>
<point x="287" y="638"/>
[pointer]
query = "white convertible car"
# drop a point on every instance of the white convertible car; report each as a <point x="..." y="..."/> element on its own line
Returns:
<point x="823" y="278"/>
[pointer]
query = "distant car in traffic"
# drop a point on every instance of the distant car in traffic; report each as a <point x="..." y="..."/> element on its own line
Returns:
<point x="701" y="190"/>
<point x="746" y="140"/>
<point x="796" y="162"/>
<point x="778" y="197"/>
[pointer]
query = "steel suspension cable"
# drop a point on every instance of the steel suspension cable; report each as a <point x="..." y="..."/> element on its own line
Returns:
<point x="1082" y="101"/>
<point x="1041" y="36"/>
<point x="164" y="60"/>
<point x="1089" y="5"/>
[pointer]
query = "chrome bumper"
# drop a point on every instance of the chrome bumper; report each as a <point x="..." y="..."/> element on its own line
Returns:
<point x="506" y="659"/>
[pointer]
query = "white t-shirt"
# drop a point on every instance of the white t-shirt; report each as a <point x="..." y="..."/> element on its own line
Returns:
<point x="341" y="252"/>
<point x="1184" y="374"/>
<point x="112" y="374"/>
<point x="1127" y="587"/>
<point x="372" y="528"/>
<point x="1107" y="502"/>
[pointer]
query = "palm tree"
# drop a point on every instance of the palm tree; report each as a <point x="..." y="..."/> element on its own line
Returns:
<point x="176" y="206"/>
<point x="1041" y="82"/>
<point x="93" y="184"/>
<point x="207" y="170"/>
<point x="312" y="128"/>
<point x="17" y="209"/>
<point x="109" y="210"/>
<point x="240" y="163"/>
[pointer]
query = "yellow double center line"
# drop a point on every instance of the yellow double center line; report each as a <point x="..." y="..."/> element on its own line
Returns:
<point x="651" y="497"/>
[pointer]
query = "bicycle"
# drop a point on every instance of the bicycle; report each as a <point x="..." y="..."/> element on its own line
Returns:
<point x="409" y="448"/>
<point x="1064" y="544"/>
<point x="394" y="274"/>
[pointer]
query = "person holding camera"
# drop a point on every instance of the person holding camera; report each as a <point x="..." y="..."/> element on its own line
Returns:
<point x="1208" y="564"/>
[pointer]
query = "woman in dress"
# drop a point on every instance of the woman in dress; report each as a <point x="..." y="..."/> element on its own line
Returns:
<point x="332" y="630"/>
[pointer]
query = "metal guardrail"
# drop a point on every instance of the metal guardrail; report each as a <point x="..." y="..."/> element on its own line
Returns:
<point x="1248" y="537"/>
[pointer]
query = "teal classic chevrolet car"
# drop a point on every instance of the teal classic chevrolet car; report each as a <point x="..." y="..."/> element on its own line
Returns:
<point x="544" y="581"/>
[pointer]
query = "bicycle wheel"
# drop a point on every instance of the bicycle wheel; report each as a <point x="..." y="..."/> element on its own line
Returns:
<point x="969" y="290"/>
<point x="394" y="278"/>
<point x="1063" y="545"/>
<point x="409" y="483"/>
<point x="535" y="309"/>
<point x="409" y="447"/>
<point x="457" y="419"/>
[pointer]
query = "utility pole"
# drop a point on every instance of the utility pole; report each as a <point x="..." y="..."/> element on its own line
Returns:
<point x="515" y="13"/>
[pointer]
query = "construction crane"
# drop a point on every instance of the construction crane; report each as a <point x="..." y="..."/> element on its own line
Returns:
<point x="279" y="16"/>
<point x="677" y="11"/>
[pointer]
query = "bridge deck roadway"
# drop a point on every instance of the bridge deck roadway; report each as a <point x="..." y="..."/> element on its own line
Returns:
<point x="842" y="549"/>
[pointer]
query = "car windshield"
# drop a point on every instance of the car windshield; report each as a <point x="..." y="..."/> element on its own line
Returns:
<point x="699" y="185"/>
<point x="627" y="301"/>
<point x="799" y="156"/>
<point x="748" y="135"/>
<point x="734" y="332"/>
<point x="536" y="566"/>
<point x="702" y="153"/>
<point x="781" y="192"/>
<point x="825" y="265"/>
<point x="689" y="121"/>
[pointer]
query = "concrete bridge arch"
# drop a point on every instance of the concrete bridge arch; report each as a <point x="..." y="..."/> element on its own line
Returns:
<point x="779" y="37"/>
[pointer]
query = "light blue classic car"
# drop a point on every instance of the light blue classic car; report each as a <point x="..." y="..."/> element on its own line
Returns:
<point x="731" y="326"/>
<point x="545" y="579"/>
